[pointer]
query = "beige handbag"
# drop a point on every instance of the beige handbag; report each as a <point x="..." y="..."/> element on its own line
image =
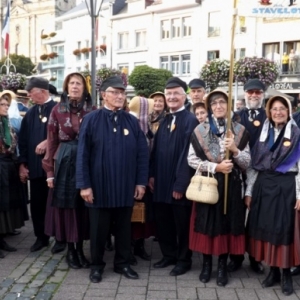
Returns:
<point x="203" y="189"/>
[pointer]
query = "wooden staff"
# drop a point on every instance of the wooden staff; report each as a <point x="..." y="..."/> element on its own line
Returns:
<point x="228" y="129"/>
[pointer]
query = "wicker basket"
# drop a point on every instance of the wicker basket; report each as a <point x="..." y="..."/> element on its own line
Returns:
<point x="138" y="212"/>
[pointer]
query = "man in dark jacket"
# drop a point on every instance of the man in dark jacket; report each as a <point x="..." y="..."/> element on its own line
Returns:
<point x="112" y="170"/>
<point x="169" y="179"/>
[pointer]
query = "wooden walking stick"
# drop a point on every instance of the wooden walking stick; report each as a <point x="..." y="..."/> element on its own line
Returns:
<point x="228" y="129"/>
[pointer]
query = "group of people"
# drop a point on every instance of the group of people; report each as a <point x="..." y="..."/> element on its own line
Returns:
<point x="88" y="166"/>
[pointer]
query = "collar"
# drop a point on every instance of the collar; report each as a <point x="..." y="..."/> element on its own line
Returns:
<point x="111" y="109"/>
<point x="178" y="110"/>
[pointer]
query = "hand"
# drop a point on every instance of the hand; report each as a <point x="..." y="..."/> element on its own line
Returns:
<point x="297" y="206"/>
<point x="41" y="148"/>
<point x="139" y="192"/>
<point x="87" y="195"/>
<point x="23" y="173"/>
<point x="151" y="184"/>
<point x="50" y="183"/>
<point x="177" y="195"/>
<point x="225" y="166"/>
<point x="230" y="144"/>
<point x="248" y="200"/>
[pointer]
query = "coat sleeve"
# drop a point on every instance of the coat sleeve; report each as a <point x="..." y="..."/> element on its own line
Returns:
<point x="23" y="146"/>
<point x="83" y="179"/>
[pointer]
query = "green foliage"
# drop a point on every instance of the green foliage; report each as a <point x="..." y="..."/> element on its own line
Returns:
<point x="147" y="80"/>
<point x="23" y="64"/>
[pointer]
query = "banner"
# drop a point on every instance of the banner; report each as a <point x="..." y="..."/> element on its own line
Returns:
<point x="5" y="30"/>
<point x="269" y="8"/>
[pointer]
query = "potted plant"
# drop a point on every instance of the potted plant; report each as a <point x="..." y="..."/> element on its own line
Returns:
<point x="13" y="81"/>
<point x="44" y="57"/>
<point x="53" y="55"/>
<point x="44" y="36"/>
<point x="84" y="50"/>
<point x="253" y="67"/>
<point x="103" y="47"/>
<point x="52" y="34"/>
<point x="77" y="52"/>
<point x="52" y="79"/>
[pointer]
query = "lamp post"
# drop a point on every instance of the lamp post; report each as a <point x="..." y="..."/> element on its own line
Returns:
<point x="93" y="7"/>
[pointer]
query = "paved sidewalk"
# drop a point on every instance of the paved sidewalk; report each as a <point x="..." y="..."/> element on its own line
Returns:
<point x="41" y="275"/>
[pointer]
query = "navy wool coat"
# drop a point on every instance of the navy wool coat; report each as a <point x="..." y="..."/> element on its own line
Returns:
<point x="169" y="165"/>
<point x="112" y="158"/>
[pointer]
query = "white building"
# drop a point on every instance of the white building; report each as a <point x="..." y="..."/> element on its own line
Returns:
<point x="177" y="35"/>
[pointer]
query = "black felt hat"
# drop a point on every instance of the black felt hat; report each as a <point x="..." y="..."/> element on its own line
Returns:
<point x="52" y="89"/>
<point x="254" y="84"/>
<point x="197" y="83"/>
<point x="176" y="82"/>
<point x="114" y="82"/>
<point x="37" y="82"/>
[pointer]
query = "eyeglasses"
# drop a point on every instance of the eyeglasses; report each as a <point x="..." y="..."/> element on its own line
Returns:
<point x="215" y="103"/>
<point x="257" y="92"/>
<point x="175" y="94"/>
<point x="4" y="104"/>
<point x="276" y="110"/>
<point x="117" y="93"/>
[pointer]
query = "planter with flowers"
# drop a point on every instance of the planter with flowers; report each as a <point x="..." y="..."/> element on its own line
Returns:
<point x="77" y="52"/>
<point x="52" y="55"/>
<point x="44" y="56"/>
<point x="215" y="73"/>
<point x="52" y="34"/>
<point x="44" y="36"/>
<point x="52" y="79"/>
<point x="85" y="50"/>
<point x="13" y="81"/>
<point x="253" y="67"/>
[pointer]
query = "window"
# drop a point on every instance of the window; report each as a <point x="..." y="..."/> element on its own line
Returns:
<point x="242" y="25"/>
<point x="164" y="62"/>
<point x="187" y="26"/>
<point x="60" y="55"/>
<point x="177" y="64"/>
<point x="143" y="63"/>
<point x="140" y="38"/>
<point x="213" y="55"/>
<point x="186" y="64"/>
<point x="123" y="68"/>
<point x="214" y="24"/>
<point x="165" y="29"/>
<point x="239" y="53"/>
<point x="123" y="40"/>
<point x="271" y="51"/>
<point x="176" y="28"/>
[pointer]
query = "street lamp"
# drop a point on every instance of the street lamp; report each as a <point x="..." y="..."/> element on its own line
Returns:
<point x="93" y="7"/>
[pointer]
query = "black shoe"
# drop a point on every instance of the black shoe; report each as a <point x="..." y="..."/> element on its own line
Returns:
<point x="132" y="260"/>
<point x="206" y="269"/>
<point x="95" y="276"/>
<point x="58" y="247"/>
<point x="273" y="277"/>
<point x="1" y="254"/>
<point x="6" y="247"/>
<point x="139" y="250"/>
<point x="222" y="277"/>
<point x="163" y="263"/>
<point x="39" y="244"/>
<point x="15" y="232"/>
<point x="295" y="271"/>
<point x="233" y="266"/>
<point x="257" y="266"/>
<point x="127" y="272"/>
<point x="82" y="260"/>
<point x="177" y="270"/>
<point x="287" y="282"/>
<point x="72" y="259"/>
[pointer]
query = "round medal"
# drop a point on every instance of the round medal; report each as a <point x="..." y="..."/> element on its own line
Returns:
<point x="126" y="132"/>
<point x="44" y="119"/>
<point x="287" y="143"/>
<point x="173" y="127"/>
<point x="256" y="123"/>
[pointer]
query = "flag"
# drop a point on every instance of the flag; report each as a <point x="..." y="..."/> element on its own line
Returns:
<point x="5" y="30"/>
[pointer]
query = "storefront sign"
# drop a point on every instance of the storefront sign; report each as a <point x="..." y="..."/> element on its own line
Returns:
<point x="286" y="85"/>
<point x="269" y="8"/>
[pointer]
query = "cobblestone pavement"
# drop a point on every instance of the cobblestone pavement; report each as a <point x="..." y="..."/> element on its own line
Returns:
<point x="41" y="275"/>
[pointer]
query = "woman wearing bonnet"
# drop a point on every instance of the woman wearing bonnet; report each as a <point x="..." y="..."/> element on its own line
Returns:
<point x="273" y="195"/>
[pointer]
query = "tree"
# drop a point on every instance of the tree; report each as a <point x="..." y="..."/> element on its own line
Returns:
<point x="147" y="80"/>
<point x="23" y="64"/>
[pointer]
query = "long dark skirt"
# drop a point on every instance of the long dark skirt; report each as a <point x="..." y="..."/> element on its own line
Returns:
<point x="66" y="224"/>
<point x="67" y="217"/>
<point x="11" y="205"/>
<point x="273" y="224"/>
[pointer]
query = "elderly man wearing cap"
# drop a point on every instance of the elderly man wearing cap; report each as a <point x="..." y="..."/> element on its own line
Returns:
<point x="169" y="179"/>
<point x="252" y="118"/>
<point x="32" y="146"/>
<point x="197" y="90"/>
<point x="112" y="170"/>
